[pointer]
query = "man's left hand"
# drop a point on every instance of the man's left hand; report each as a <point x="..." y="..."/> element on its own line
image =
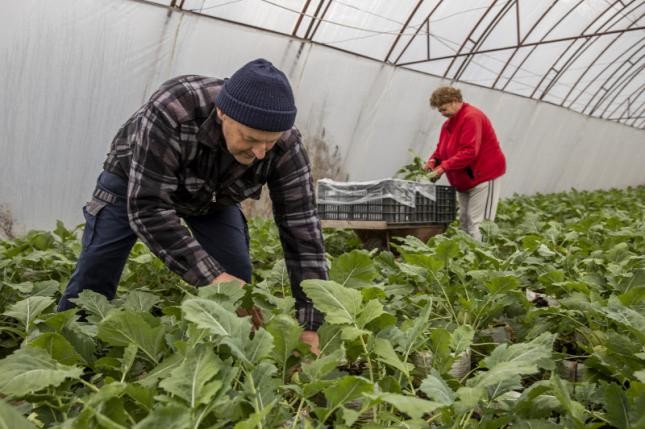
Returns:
<point x="312" y="340"/>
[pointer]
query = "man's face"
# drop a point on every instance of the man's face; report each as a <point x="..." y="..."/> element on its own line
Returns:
<point x="449" y="109"/>
<point x="244" y="143"/>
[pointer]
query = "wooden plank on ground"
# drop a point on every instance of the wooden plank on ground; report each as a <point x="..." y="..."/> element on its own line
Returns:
<point x="354" y="224"/>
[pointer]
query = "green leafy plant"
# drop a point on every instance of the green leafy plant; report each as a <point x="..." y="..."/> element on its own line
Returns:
<point x="541" y="325"/>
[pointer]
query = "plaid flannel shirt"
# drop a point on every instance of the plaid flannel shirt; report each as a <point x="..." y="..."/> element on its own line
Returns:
<point x="170" y="152"/>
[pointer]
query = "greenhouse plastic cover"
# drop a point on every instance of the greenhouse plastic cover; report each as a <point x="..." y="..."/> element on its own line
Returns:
<point x="346" y="193"/>
<point x="75" y="70"/>
<point x="585" y="55"/>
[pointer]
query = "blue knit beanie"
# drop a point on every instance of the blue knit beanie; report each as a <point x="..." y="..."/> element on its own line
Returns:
<point x="259" y="96"/>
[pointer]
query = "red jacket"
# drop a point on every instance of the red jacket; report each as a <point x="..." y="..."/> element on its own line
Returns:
<point x="468" y="149"/>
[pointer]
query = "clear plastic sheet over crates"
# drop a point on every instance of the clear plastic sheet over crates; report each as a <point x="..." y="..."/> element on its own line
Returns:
<point x="394" y="201"/>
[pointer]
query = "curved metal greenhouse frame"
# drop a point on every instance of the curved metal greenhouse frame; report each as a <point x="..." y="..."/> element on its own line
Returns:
<point x="583" y="55"/>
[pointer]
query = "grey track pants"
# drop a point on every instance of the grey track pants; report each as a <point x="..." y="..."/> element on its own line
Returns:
<point x="476" y="205"/>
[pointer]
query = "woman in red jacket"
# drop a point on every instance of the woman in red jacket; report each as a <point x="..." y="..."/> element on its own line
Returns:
<point x="470" y="155"/>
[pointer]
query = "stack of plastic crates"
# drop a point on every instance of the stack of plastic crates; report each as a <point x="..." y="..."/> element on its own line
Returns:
<point x="372" y="201"/>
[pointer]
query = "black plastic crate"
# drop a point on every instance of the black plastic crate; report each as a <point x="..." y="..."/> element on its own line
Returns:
<point x="440" y="211"/>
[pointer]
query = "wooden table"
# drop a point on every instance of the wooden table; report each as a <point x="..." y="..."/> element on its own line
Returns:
<point x="377" y="234"/>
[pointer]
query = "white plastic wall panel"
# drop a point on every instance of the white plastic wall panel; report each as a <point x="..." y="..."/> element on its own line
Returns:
<point x="75" y="70"/>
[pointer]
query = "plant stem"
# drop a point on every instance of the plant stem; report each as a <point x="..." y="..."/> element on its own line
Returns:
<point x="295" y="420"/>
<point x="452" y="310"/>
<point x="254" y="392"/>
<point x="369" y="361"/>
<point x="90" y="385"/>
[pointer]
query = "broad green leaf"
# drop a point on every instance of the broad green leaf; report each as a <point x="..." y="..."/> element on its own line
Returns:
<point x="226" y="294"/>
<point x="140" y="301"/>
<point x="121" y="328"/>
<point x="346" y="389"/>
<point x="278" y="277"/>
<point x="633" y="296"/>
<point x="340" y="304"/>
<point x="412" y="336"/>
<point x="314" y="387"/>
<point x="426" y="261"/>
<point x="163" y="370"/>
<point x="536" y="351"/>
<point x="58" y="347"/>
<point x="536" y="424"/>
<point x="84" y="344"/>
<point x="105" y="393"/>
<point x="259" y="347"/>
<point x="23" y="287"/>
<point x="410" y="244"/>
<point x="437" y="390"/>
<point x="502" y="284"/>
<point x="440" y="343"/>
<point x="617" y="406"/>
<point x="413" y="272"/>
<point x="640" y="375"/>
<point x="410" y="405"/>
<point x="574" y="409"/>
<point x="536" y="401"/>
<point x="129" y="356"/>
<point x="505" y="363"/>
<point x="350" y="416"/>
<point x="145" y="258"/>
<point x="321" y="367"/>
<point x="386" y="354"/>
<point x="544" y="251"/>
<point x="354" y="270"/>
<point x="10" y="418"/>
<point x="468" y="398"/>
<point x="31" y="369"/>
<point x="627" y="317"/>
<point x="461" y="339"/>
<point x="143" y="396"/>
<point x="60" y="320"/>
<point x="350" y="333"/>
<point x="256" y="419"/>
<point x="193" y="380"/>
<point x="232" y="330"/>
<point x="27" y="310"/>
<point x="261" y="386"/>
<point x="330" y="337"/>
<point x="95" y="304"/>
<point x="46" y="288"/>
<point x="447" y="250"/>
<point x="210" y="315"/>
<point x="286" y="338"/>
<point x="160" y="417"/>
<point x="370" y="311"/>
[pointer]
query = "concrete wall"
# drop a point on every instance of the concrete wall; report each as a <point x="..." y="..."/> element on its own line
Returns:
<point x="74" y="70"/>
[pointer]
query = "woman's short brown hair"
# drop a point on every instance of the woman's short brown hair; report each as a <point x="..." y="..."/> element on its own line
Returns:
<point x="444" y="95"/>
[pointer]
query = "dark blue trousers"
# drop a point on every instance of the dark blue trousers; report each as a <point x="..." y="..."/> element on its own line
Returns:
<point x="108" y="239"/>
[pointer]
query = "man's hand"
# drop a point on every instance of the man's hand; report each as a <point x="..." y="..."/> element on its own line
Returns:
<point x="226" y="277"/>
<point x="312" y="340"/>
